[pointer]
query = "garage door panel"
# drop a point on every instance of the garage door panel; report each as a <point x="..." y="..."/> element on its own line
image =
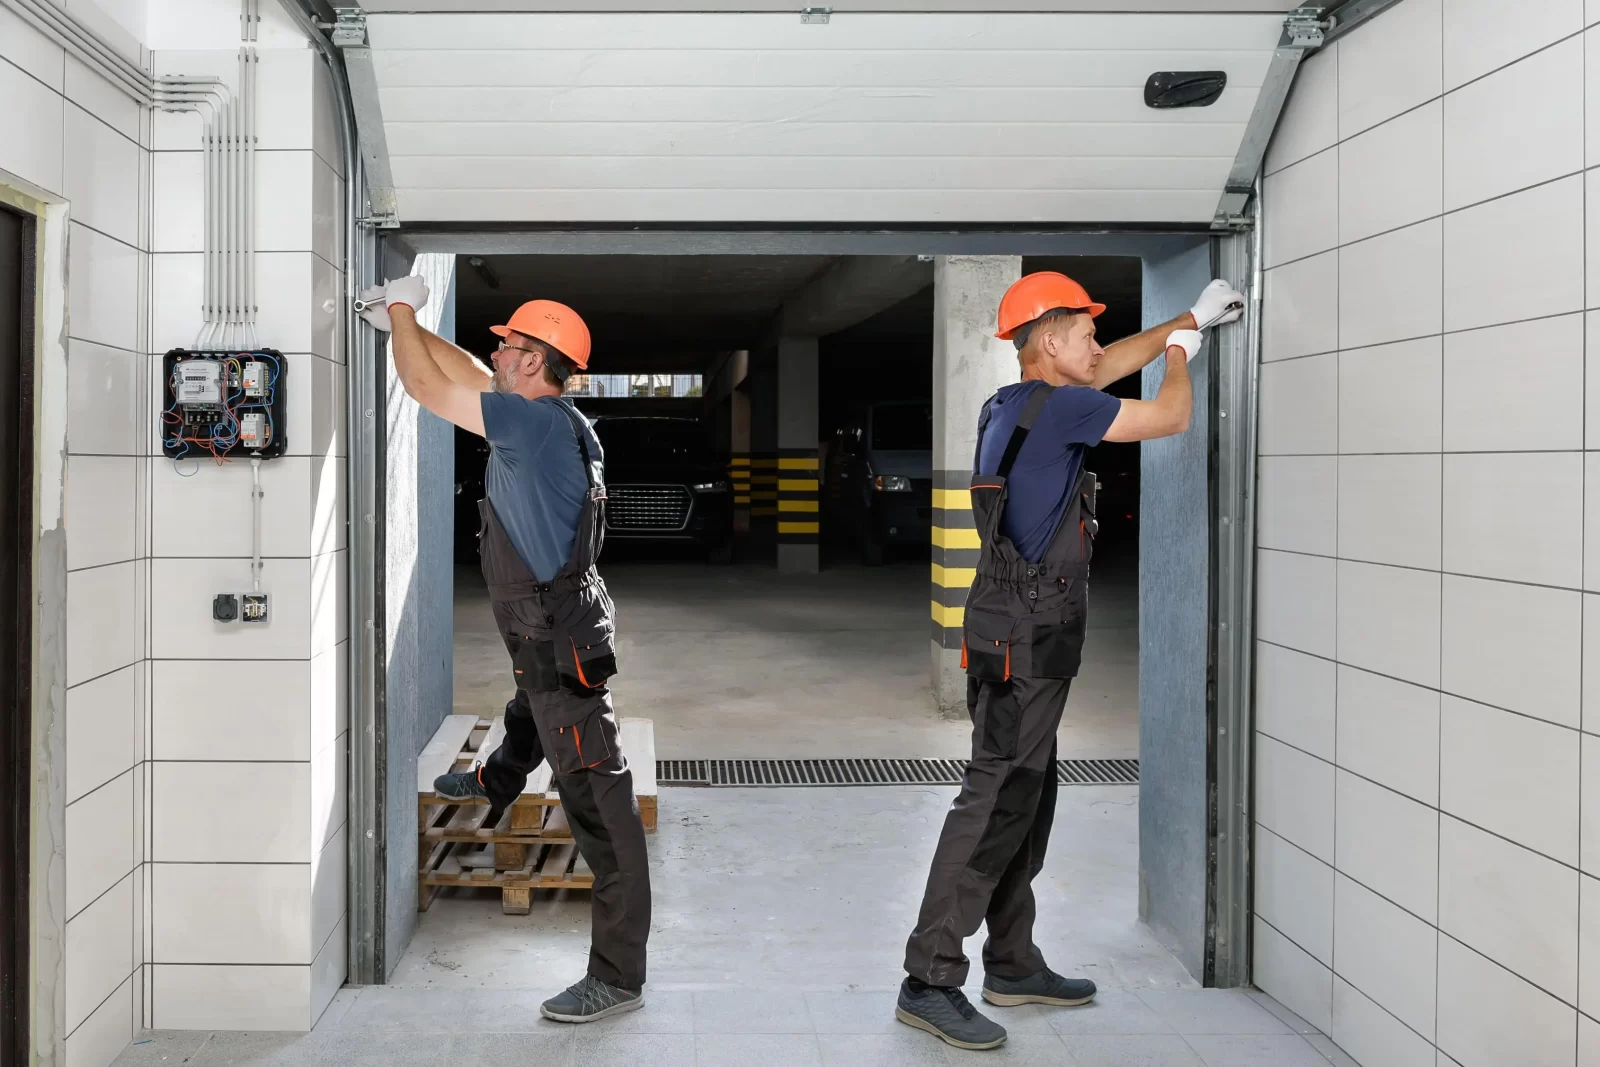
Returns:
<point x="751" y="117"/>
<point x="906" y="140"/>
<point x="837" y="104"/>
<point x="866" y="207"/>
<point x="784" y="32"/>
<point x="781" y="172"/>
<point x="866" y="68"/>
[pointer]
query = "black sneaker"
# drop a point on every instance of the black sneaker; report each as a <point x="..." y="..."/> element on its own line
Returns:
<point x="1046" y="987"/>
<point x="589" y="1000"/>
<point x="465" y="785"/>
<point x="947" y="1014"/>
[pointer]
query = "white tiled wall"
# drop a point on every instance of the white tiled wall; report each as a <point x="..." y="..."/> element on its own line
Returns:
<point x="1425" y="837"/>
<point x="247" y="889"/>
<point x="225" y="911"/>
<point x="67" y="133"/>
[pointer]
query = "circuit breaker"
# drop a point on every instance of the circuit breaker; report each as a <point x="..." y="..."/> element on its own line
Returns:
<point x="224" y="404"/>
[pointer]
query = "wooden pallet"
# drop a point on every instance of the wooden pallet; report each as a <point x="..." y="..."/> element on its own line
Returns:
<point x="531" y="847"/>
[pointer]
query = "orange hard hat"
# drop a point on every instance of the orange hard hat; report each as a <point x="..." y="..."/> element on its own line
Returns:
<point x="1034" y="294"/>
<point x="555" y="324"/>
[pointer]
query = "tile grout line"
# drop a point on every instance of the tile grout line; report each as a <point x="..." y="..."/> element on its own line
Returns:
<point x="1412" y="684"/>
<point x="1438" y="819"/>
<point x="1583" y="522"/>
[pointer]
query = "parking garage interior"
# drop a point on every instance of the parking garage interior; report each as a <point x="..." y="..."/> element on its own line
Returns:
<point x="734" y="657"/>
<point x="720" y="648"/>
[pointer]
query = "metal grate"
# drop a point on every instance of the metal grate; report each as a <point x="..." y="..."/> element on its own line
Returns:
<point x="809" y="772"/>
<point x="647" y="507"/>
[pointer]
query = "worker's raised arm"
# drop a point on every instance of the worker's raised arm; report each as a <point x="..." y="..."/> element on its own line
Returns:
<point x="1169" y="412"/>
<point x="458" y="364"/>
<point x="1219" y="303"/>
<point x="423" y="379"/>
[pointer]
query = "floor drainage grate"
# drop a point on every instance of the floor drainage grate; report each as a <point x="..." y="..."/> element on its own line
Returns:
<point x="804" y="772"/>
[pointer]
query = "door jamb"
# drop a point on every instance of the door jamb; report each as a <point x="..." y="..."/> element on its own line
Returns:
<point x="1237" y="257"/>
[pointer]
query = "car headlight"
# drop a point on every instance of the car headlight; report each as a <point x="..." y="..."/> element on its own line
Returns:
<point x="892" y="483"/>
<point x="710" y="487"/>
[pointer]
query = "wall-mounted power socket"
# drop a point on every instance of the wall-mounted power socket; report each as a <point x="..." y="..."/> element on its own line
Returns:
<point x="240" y="607"/>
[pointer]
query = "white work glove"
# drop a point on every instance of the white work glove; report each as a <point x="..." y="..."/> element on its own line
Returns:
<point x="1219" y="303"/>
<point x="411" y="291"/>
<point x="1188" y="340"/>
<point x="374" y="308"/>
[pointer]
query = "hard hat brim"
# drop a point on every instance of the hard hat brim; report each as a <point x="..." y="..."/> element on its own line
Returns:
<point x="1094" y="311"/>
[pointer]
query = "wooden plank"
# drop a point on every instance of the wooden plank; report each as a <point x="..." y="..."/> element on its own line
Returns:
<point x="639" y="745"/>
<point x="491" y="740"/>
<point x="439" y="756"/>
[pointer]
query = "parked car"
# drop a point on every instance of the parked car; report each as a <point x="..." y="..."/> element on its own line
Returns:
<point x="878" y="485"/>
<point x="664" y="484"/>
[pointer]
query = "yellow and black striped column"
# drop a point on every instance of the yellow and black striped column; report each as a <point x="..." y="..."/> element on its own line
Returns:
<point x="739" y="478"/>
<point x="955" y="554"/>
<point x="798" y="516"/>
<point x="763" y="492"/>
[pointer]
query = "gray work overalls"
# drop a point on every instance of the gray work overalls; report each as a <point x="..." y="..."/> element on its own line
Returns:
<point x="1021" y="646"/>
<point x="561" y="640"/>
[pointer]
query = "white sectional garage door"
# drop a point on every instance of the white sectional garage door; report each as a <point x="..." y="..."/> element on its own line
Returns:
<point x="756" y="117"/>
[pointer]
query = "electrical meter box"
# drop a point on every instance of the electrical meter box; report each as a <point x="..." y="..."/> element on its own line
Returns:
<point x="221" y="404"/>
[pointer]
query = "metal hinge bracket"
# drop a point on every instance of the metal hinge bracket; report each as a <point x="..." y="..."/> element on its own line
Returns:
<point x="349" y="28"/>
<point x="379" y="222"/>
<point x="1304" y="28"/>
<point x="816" y="16"/>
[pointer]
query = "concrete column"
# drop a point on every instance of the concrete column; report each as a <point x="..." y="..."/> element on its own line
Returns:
<point x="969" y="365"/>
<point x="762" y="388"/>
<point x="798" y="525"/>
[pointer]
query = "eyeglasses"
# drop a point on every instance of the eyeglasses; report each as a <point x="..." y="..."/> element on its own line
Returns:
<point x="507" y="347"/>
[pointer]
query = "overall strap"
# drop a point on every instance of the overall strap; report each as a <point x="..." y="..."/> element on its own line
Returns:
<point x="583" y="443"/>
<point x="1030" y="412"/>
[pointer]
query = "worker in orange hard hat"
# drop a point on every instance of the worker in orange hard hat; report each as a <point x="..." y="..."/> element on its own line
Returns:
<point x="541" y="535"/>
<point x="1022" y="637"/>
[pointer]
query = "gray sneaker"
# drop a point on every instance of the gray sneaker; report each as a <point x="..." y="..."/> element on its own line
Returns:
<point x="948" y="1015"/>
<point x="589" y="1000"/>
<point x="1046" y="987"/>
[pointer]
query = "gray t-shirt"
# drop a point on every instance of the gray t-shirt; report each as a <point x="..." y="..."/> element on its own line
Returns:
<point x="535" y="477"/>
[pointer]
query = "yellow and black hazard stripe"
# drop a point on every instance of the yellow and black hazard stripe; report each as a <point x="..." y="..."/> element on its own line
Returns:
<point x="955" y="554"/>
<point x="763" y="486"/>
<point x="797" y="496"/>
<point x="739" y="476"/>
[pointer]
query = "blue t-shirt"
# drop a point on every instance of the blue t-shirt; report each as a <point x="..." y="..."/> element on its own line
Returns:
<point x="535" y="477"/>
<point x="1046" y="470"/>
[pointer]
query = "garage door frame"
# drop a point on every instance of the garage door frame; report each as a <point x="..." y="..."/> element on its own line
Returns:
<point x="1231" y="475"/>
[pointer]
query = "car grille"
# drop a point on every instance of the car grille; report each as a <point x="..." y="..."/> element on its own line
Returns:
<point x="647" y="507"/>
<point x="922" y="485"/>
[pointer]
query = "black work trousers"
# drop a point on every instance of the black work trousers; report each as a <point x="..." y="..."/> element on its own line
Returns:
<point x="577" y="733"/>
<point x="994" y="838"/>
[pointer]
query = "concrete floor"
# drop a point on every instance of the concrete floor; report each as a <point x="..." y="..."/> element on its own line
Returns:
<point x="742" y="662"/>
<point x="780" y="918"/>
<point x="781" y="915"/>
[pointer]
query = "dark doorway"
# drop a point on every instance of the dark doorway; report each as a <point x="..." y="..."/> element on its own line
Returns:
<point x="16" y="616"/>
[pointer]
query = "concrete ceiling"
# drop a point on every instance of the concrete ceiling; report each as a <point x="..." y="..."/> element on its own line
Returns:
<point x="678" y="312"/>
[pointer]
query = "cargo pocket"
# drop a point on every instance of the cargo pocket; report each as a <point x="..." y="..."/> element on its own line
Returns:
<point x="986" y="646"/>
<point x="998" y="719"/>
<point x="586" y="656"/>
<point x="585" y="744"/>
<point x="534" y="664"/>
<point x="1057" y="645"/>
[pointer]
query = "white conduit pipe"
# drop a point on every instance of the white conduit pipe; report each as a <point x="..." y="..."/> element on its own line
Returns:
<point x="83" y="43"/>
<point x="211" y="98"/>
<point x="248" y="105"/>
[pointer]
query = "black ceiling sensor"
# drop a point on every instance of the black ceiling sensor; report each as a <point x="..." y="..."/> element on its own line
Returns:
<point x="1184" y="88"/>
